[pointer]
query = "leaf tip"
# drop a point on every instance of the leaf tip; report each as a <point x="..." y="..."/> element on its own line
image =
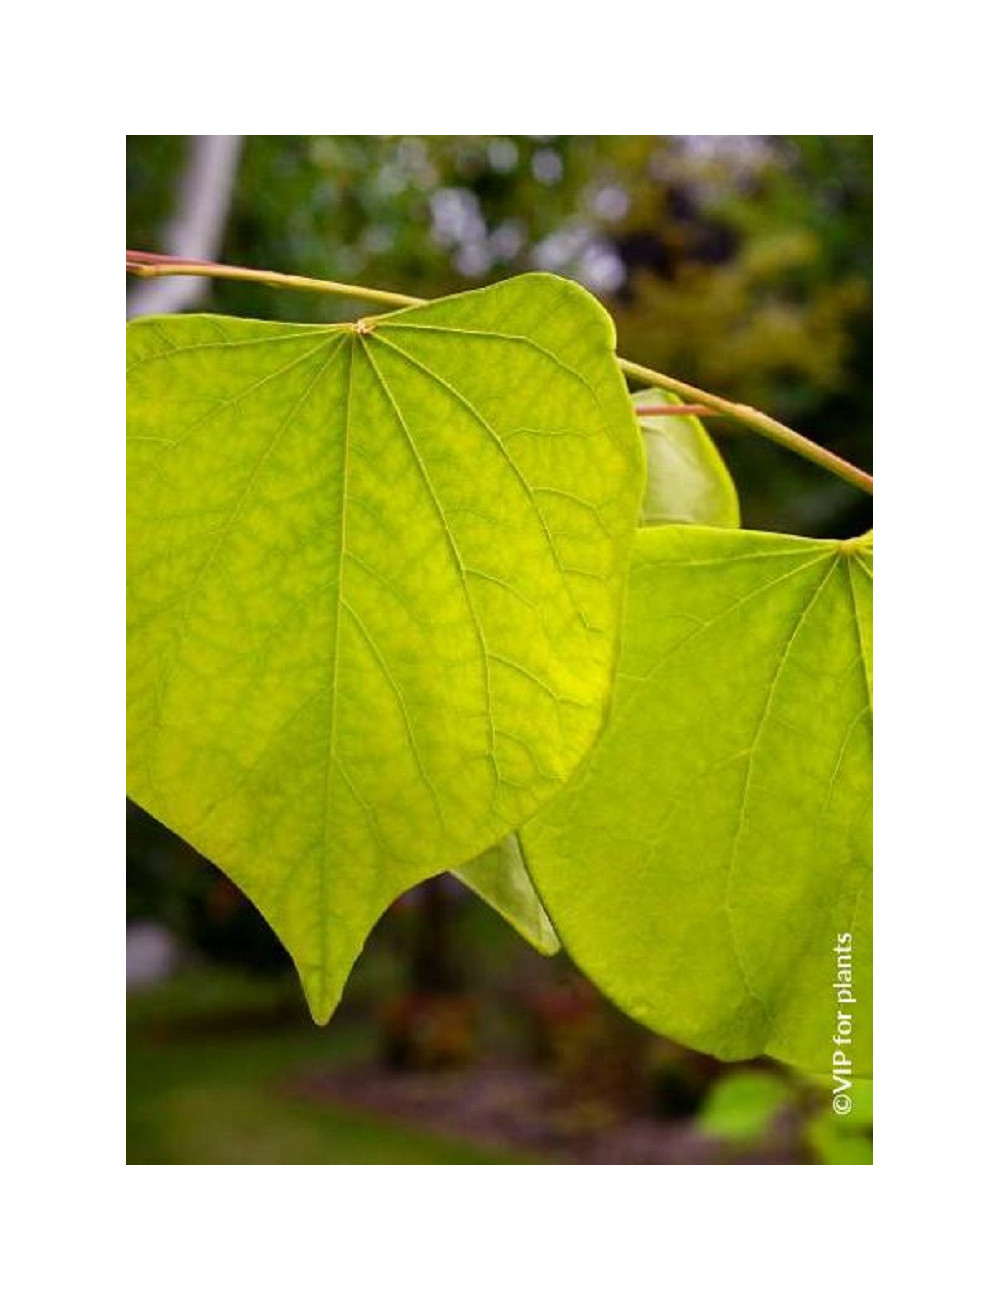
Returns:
<point x="322" y="999"/>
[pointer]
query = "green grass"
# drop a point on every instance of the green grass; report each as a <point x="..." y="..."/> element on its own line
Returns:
<point x="209" y="1083"/>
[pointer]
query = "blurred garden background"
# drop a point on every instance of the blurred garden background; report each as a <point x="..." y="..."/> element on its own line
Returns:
<point x="741" y="264"/>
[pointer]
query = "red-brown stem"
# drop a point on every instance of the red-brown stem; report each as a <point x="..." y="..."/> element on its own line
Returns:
<point x="681" y="408"/>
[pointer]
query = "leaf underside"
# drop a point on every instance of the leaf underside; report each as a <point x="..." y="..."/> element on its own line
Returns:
<point x="375" y="578"/>
<point x="687" y="481"/>
<point x="500" y="879"/>
<point x="705" y="857"/>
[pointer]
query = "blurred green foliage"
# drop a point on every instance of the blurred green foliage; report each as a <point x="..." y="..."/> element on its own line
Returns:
<point x="744" y="1106"/>
<point x="844" y="1139"/>
<point x="210" y="1059"/>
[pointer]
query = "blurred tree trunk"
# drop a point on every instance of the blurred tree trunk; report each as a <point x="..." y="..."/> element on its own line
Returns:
<point x="433" y="1024"/>
<point x="197" y="226"/>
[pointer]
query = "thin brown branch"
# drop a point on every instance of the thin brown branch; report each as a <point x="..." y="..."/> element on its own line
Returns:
<point x="680" y="408"/>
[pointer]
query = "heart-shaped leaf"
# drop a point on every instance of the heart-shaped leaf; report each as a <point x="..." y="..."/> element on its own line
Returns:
<point x="709" y="857"/>
<point x="375" y="581"/>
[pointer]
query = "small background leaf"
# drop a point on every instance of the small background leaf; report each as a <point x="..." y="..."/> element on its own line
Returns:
<point x="743" y="1104"/>
<point x="687" y="481"/>
<point x="499" y="877"/>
